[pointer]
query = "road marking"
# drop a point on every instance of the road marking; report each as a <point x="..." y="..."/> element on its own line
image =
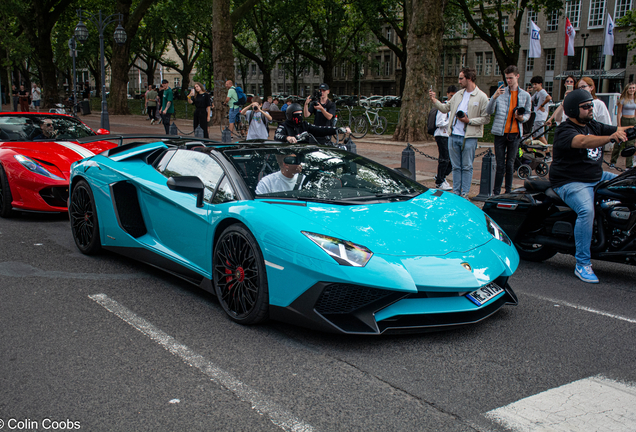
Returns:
<point x="279" y="416"/>
<point x="586" y="309"/>
<point x="591" y="404"/>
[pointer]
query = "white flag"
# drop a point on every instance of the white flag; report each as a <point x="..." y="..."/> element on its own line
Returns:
<point x="608" y="48"/>
<point x="569" y="38"/>
<point x="534" y="50"/>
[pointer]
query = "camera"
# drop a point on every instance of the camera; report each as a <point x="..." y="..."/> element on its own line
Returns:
<point x="460" y="114"/>
<point x="519" y="110"/>
<point x="315" y="98"/>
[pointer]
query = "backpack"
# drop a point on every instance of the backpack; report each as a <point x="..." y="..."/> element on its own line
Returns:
<point x="240" y="95"/>
<point x="432" y="115"/>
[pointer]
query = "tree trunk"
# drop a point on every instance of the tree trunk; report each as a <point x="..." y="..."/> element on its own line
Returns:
<point x="118" y="96"/>
<point x="222" y="55"/>
<point x="426" y="28"/>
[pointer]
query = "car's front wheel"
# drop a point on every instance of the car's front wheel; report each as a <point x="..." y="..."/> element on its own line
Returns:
<point x="6" y="209"/>
<point x="240" y="280"/>
<point x="83" y="216"/>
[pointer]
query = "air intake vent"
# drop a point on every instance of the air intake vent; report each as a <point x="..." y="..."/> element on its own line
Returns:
<point x="344" y="299"/>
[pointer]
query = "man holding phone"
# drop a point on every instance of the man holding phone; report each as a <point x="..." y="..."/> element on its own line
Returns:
<point x="511" y="106"/>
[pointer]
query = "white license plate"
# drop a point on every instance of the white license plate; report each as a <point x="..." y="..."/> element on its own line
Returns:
<point x="484" y="294"/>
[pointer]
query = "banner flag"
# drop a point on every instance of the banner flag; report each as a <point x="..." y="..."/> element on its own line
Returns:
<point x="534" y="50"/>
<point x="608" y="47"/>
<point x="569" y="38"/>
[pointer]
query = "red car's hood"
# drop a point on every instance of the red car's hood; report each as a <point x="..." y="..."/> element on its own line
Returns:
<point x="59" y="153"/>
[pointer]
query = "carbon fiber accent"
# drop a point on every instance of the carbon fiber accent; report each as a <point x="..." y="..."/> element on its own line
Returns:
<point x="344" y="298"/>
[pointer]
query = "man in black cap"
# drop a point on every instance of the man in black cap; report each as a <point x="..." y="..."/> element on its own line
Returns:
<point x="325" y="110"/>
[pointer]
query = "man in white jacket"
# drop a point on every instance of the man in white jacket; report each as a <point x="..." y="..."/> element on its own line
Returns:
<point x="467" y="109"/>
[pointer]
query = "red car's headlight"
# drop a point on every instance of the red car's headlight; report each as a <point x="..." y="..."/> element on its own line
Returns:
<point x="35" y="167"/>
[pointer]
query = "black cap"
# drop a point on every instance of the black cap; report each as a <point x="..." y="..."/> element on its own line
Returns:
<point x="323" y="86"/>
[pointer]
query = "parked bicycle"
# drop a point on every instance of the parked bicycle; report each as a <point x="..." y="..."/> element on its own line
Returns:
<point x="371" y="118"/>
<point x="347" y="120"/>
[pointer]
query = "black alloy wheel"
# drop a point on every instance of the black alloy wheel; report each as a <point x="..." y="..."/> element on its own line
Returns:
<point x="83" y="216"/>
<point x="6" y="210"/>
<point x="240" y="280"/>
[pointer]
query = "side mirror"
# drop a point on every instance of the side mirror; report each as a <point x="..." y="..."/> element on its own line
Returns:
<point x="103" y="132"/>
<point x="628" y="152"/>
<point x="188" y="184"/>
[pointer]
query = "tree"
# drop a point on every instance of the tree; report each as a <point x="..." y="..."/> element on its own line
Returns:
<point x="222" y="54"/>
<point x="151" y="43"/>
<point x="122" y="60"/>
<point x="486" y="17"/>
<point x="426" y="28"/>
<point x="37" y="19"/>
<point x="268" y="42"/>
<point x="380" y="13"/>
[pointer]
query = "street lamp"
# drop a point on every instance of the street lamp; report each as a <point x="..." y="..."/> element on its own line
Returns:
<point x="584" y="36"/>
<point x="81" y="33"/>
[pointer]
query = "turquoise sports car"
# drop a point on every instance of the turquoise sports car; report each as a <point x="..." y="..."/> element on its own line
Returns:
<point x="311" y="235"/>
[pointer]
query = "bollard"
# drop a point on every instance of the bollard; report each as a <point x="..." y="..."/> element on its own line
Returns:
<point x="226" y="135"/>
<point x="173" y="129"/>
<point x="487" y="182"/>
<point x="351" y="146"/>
<point x="198" y="132"/>
<point x="408" y="160"/>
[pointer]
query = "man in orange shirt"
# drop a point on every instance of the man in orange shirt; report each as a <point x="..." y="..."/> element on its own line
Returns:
<point x="512" y="108"/>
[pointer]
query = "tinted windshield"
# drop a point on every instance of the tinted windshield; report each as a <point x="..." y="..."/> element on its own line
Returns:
<point x="38" y="127"/>
<point x="313" y="173"/>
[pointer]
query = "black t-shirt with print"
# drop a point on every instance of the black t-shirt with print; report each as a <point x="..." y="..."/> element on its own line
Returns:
<point x="320" y="119"/>
<point x="573" y="164"/>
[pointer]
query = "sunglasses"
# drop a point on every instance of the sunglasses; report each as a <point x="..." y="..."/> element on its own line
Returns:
<point x="587" y="106"/>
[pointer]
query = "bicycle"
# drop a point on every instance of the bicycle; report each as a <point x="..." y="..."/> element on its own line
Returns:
<point x="240" y="125"/>
<point x="371" y="118"/>
<point x="347" y="121"/>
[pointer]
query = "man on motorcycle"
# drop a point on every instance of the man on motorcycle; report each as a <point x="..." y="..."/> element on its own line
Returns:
<point x="577" y="168"/>
<point x="295" y="125"/>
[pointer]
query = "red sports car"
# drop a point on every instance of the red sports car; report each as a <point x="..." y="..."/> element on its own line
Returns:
<point x="36" y="153"/>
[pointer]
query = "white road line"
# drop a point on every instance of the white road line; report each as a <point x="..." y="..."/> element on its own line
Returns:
<point x="591" y="404"/>
<point x="279" y="416"/>
<point x="585" y="308"/>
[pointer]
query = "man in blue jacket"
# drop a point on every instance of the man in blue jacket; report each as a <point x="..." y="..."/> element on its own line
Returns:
<point x="512" y="108"/>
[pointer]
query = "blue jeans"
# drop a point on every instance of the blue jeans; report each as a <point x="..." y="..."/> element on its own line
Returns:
<point x="233" y="113"/>
<point x="580" y="198"/>
<point x="462" y="155"/>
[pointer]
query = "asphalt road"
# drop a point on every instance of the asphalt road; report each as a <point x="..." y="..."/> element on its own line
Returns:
<point x="155" y="353"/>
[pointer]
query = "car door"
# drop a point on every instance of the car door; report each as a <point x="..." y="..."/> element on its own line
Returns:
<point x="178" y="225"/>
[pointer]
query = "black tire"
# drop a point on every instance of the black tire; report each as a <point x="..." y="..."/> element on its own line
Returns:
<point x="524" y="171"/>
<point x="360" y="127"/>
<point x="84" y="223"/>
<point x="542" y="169"/>
<point x="240" y="279"/>
<point x="6" y="209"/>
<point x="535" y="252"/>
<point x="381" y="127"/>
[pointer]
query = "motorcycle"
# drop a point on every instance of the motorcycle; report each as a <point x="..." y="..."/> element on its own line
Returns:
<point x="541" y="225"/>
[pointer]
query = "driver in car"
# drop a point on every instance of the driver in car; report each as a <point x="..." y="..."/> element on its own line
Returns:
<point x="577" y="168"/>
<point x="287" y="179"/>
<point x="48" y="130"/>
<point x="295" y="125"/>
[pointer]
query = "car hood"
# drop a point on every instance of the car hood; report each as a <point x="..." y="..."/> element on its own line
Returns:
<point x="432" y="223"/>
<point x="59" y="153"/>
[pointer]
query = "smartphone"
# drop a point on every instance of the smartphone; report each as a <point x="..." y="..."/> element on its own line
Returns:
<point x="569" y="87"/>
<point x="500" y="83"/>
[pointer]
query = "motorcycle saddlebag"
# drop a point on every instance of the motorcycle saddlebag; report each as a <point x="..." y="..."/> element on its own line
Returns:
<point x="515" y="210"/>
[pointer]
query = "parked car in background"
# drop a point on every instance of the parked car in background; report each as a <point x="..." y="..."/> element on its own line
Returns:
<point x="392" y="101"/>
<point x="373" y="101"/>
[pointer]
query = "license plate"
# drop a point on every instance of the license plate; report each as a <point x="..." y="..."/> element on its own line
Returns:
<point x="484" y="294"/>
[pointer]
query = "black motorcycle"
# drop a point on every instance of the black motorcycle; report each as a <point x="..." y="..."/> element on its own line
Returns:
<point x="540" y="224"/>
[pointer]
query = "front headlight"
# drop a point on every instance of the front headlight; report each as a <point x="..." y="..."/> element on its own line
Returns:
<point x="497" y="232"/>
<point x="35" y="167"/>
<point x="344" y="252"/>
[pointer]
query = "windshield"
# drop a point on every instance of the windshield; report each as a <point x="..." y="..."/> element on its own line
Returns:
<point x="42" y="127"/>
<point x="320" y="174"/>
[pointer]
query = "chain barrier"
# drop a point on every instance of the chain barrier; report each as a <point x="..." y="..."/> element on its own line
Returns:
<point x="443" y="160"/>
<point x="619" y="169"/>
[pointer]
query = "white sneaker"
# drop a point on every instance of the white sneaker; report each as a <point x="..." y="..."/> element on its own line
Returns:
<point x="445" y="186"/>
<point x="152" y="121"/>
